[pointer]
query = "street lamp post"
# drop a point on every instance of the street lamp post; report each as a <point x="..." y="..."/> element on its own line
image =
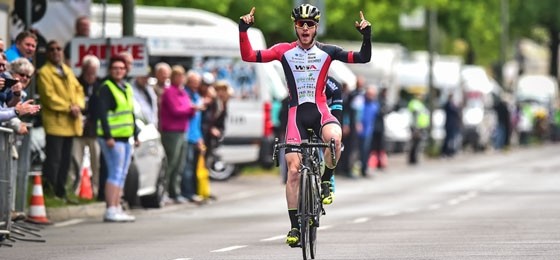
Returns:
<point x="432" y="22"/>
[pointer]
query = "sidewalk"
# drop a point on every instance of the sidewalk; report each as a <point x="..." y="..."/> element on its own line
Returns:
<point x="234" y="187"/>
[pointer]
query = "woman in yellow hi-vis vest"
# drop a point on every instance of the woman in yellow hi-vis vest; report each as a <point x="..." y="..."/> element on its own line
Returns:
<point x="115" y="125"/>
<point x="419" y="125"/>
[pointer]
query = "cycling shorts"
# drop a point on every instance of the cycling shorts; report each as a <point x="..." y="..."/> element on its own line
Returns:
<point x="306" y="116"/>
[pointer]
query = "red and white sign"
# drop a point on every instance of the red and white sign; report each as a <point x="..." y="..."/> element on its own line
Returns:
<point x="101" y="47"/>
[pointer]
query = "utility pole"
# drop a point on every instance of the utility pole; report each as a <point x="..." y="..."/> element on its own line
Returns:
<point x="128" y="17"/>
<point x="432" y="26"/>
<point x="504" y="20"/>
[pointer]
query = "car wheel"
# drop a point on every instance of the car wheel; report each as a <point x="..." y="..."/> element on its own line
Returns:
<point x="154" y="200"/>
<point x="221" y="171"/>
<point x="131" y="186"/>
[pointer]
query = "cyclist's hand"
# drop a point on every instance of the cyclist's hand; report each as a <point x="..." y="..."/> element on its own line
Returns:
<point x="364" y="27"/>
<point x="247" y="20"/>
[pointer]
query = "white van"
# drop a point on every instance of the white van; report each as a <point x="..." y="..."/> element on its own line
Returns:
<point x="208" y="42"/>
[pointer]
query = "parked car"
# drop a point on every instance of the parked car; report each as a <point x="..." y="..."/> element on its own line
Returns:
<point x="145" y="180"/>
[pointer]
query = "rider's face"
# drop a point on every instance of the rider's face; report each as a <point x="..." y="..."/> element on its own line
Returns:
<point x="306" y="33"/>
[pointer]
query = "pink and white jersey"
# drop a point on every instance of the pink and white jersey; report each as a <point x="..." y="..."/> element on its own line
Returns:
<point x="306" y="75"/>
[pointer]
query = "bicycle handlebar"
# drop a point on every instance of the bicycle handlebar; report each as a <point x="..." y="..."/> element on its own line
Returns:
<point x="278" y="145"/>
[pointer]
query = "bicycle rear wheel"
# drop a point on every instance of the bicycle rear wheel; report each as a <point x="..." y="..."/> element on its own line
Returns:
<point x="304" y="214"/>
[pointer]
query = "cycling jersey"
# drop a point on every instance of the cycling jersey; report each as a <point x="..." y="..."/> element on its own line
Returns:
<point x="306" y="75"/>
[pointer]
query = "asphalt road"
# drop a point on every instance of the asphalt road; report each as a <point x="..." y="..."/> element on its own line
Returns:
<point x="485" y="206"/>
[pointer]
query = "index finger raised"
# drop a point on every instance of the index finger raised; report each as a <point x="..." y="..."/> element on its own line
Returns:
<point x="362" y="15"/>
<point x="252" y="11"/>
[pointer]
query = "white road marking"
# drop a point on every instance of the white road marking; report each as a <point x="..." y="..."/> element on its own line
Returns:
<point x="69" y="222"/>
<point x="360" y="220"/>
<point x="273" y="238"/>
<point x="453" y="202"/>
<point x="410" y="210"/>
<point x="324" y="227"/>
<point x="434" y="206"/>
<point x="390" y="213"/>
<point x="226" y="249"/>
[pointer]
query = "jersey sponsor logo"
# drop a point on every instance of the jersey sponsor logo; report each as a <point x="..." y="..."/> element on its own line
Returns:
<point x="300" y="68"/>
<point x="309" y="79"/>
<point x="331" y="85"/>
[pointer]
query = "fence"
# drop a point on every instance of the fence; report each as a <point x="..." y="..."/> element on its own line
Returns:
<point x="6" y="179"/>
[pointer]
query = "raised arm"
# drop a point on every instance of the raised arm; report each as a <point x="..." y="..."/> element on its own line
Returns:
<point x="247" y="51"/>
<point x="364" y="56"/>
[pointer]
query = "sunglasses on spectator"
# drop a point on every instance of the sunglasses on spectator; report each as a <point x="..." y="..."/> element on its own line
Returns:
<point x="55" y="49"/>
<point x="309" y="24"/>
<point x="23" y="75"/>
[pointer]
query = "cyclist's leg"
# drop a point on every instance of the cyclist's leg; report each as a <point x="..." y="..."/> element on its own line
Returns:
<point x="330" y="131"/>
<point x="295" y="132"/>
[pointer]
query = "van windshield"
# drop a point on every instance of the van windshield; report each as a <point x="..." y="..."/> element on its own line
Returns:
<point x="240" y="75"/>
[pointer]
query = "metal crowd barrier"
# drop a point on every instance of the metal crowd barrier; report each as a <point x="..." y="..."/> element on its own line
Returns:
<point x="7" y="178"/>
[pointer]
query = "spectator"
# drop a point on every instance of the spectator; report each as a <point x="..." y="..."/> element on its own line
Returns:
<point x="352" y="105"/>
<point x="82" y="28"/>
<point x="21" y="70"/>
<point x="25" y="46"/>
<point x="503" y="126"/>
<point x="90" y="84"/>
<point x="366" y="126"/>
<point x="419" y="124"/>
<point x="129" y="64"/>
<point x="176" y="110"/>
<point x="452" y="127"/>
<point x="194" y="138"/>
<point x="2" y="46"/>
<point x="162" y="72"/>
<point x="114" y="129"/>
<point x="146" y="98"/>
<point x="63" y="100"/>
<point x="216" y="132"/>
<point x="210" y="114"/>
<point x="378" y="139"/>
<point x="20" y="109"/>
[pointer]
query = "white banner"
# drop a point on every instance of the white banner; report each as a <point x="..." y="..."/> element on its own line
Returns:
<point x="98" y="46"/>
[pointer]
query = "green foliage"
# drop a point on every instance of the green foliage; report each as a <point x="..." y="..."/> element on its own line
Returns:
<point x="476" y="23"/>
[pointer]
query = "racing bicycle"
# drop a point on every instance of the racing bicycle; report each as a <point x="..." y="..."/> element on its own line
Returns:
<point x="310" y="207"/>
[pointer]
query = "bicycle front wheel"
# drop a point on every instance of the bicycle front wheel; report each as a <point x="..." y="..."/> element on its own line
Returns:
<point x="317" y="210"/>
<point x="305" y="216"/>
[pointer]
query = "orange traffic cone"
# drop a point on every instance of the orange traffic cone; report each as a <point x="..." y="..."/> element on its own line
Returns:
<point x="85" y="185"/>
<point x="37" y="211"/>
<point x="383" y="160"/>
<point x="372" y="160"/>
<point x="86" y="191"/>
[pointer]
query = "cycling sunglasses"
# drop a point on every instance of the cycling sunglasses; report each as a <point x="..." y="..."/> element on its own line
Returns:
<point x="308" y="23"/>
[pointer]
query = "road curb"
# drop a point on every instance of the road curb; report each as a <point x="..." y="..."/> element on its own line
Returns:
<point x="93" y="210"/>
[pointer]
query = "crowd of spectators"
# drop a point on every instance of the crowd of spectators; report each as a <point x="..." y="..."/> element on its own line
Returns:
<point x="88" y="115"/>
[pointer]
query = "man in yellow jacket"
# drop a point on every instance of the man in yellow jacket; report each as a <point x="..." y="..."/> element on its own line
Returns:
<point x="62" y="100"/>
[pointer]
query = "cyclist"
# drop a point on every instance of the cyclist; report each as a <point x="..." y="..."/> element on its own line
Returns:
<point x="333" y="92"/>
<point x="306" y="63"/>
